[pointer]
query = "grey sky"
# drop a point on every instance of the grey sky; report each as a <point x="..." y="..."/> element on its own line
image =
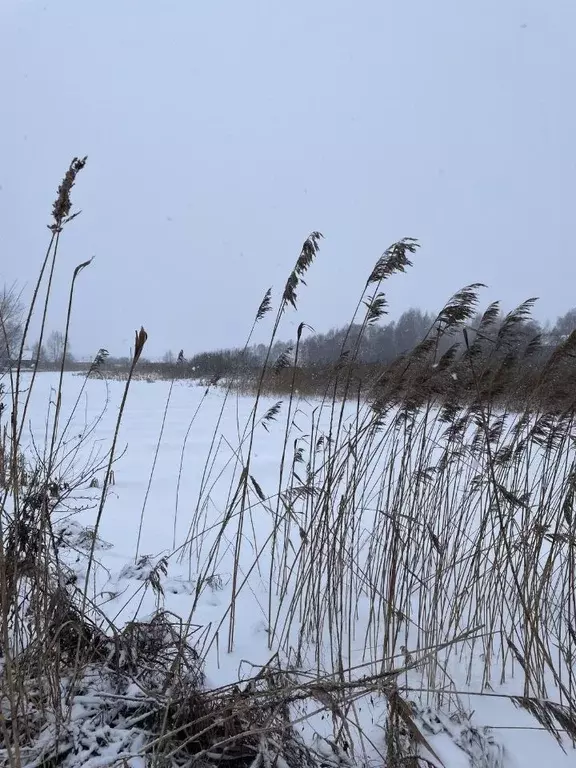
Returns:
<point x="220" y="133"/>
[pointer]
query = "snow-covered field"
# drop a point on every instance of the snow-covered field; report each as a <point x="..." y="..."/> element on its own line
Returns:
<point x="275" y="578"/>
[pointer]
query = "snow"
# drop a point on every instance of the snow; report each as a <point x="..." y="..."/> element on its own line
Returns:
<point x="152" y="509"/>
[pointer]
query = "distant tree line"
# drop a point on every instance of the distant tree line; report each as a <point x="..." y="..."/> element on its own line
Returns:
<point x="379" y="343"/>
<point x="46" y="353"/>
<point x="373" y="343"/>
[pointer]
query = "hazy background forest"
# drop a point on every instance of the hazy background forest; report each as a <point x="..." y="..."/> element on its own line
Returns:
<point x="378" y="343"/>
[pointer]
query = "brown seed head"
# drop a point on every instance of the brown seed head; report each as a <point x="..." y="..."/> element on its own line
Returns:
<point x="63" y="204"/>
<point x="140" y="340"/>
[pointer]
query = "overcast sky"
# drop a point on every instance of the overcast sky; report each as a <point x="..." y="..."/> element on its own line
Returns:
<point x="219" y="134"/>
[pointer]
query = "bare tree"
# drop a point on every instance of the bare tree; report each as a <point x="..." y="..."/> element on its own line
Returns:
<point x="55" y="348"/>
<point x="564" y="326"/>
<point x="11" y="313"/>
<point x="38" y="352"/>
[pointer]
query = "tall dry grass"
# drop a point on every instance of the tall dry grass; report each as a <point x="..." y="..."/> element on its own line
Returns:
<point x="410" y="533"/>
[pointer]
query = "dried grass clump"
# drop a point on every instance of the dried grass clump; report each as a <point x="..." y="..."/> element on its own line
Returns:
<point x="111" y="689"/>
<point x="139" y="692"/>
